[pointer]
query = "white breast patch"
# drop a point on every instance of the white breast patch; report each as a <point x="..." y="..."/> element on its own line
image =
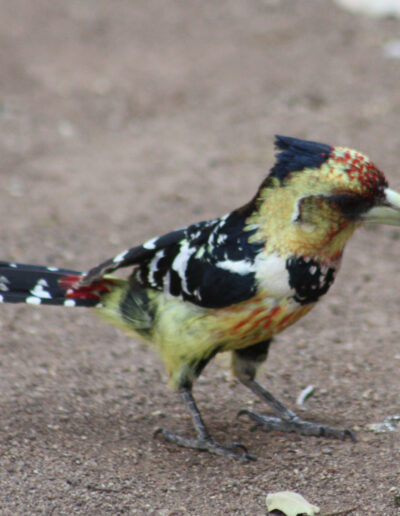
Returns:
<point x="273" y="276"/>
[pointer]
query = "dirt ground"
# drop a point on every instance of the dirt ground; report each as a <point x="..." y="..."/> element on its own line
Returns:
<point x="122" y="120"/>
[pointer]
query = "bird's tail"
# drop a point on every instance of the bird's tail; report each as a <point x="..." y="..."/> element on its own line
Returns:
<point x="41" y="285"/>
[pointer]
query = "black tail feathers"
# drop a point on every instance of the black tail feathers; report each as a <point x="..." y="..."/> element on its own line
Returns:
<point x="41" y="285"/>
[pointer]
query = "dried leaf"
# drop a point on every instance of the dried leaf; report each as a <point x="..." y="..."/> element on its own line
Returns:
<point x="290" y="503"/>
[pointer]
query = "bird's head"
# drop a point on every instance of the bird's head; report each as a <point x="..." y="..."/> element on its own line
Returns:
<point x="317" y="195"/>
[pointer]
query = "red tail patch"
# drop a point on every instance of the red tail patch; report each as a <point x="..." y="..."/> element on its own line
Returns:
<point x="93" y="291"/>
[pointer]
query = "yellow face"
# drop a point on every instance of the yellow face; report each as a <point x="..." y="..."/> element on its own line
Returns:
<point x="313" y="212"/>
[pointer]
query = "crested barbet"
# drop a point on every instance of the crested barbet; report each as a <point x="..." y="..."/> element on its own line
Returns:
<point x="231" y="283"/>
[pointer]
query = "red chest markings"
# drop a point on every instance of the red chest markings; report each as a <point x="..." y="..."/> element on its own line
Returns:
<point x="254" y="320"/>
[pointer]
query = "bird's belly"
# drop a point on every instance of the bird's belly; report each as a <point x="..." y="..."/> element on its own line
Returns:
<point x="185" y="334"/>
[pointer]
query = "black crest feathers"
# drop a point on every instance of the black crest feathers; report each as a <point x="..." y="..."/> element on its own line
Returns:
<point x="296" y="155"/>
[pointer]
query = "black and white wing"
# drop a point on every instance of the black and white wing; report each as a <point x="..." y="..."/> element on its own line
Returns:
<point x="210" y="263"/>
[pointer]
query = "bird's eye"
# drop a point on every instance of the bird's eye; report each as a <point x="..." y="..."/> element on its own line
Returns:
<point x="352" y="206"/>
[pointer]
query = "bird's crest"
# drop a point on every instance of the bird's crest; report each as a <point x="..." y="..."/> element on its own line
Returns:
<point x="297" y="155"/>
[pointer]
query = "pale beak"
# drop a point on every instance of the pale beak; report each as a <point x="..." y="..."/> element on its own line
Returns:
<point x="388" y="212"/>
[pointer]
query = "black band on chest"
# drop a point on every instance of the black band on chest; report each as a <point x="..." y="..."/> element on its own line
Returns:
<point x="309" y="279"/>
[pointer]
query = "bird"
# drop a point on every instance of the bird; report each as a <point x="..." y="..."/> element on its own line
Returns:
<point x="231" y="283"/>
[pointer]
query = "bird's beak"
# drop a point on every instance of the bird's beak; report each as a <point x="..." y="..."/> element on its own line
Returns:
<point x="388" y="211"/>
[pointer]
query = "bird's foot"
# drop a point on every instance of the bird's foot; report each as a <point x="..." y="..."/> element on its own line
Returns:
<point x="207" y="444"/>
<point x="297" y="425"/>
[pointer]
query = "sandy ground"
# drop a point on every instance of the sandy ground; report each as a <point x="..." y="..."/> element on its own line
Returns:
<point x="121" y="120"/>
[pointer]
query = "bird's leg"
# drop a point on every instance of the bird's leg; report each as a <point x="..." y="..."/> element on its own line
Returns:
<point x="244" y="365"/>
<point x="203" y="440"/>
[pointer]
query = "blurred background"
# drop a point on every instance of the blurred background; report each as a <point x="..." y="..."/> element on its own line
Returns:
<point x="115" y="106"/>
<point x="123" y="119"/>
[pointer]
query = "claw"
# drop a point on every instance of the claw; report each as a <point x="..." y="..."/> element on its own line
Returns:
<point x="243" y="411"/>
<point x="246" y="454"/>
<point x="235" y="444"/>
<point x="351" y="434"/>
<point x="157" y="432"/>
